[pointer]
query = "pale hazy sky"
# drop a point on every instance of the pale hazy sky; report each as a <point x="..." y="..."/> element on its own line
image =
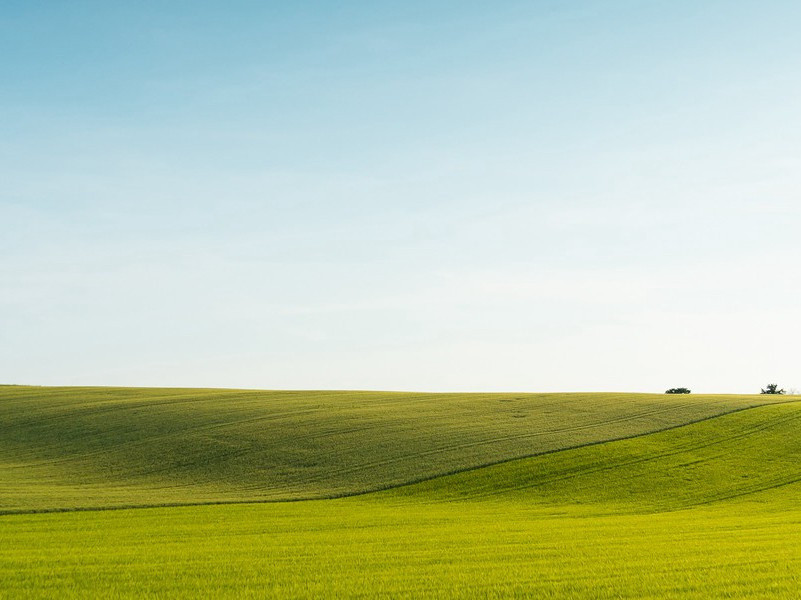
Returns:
<point x="539" y="196"/>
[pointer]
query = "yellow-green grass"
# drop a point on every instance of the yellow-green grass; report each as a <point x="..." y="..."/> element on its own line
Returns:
<point x="710" y="510"/>
<point x="64" y="448"/>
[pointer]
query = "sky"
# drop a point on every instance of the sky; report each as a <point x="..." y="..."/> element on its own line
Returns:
<point x="420" y="195"/>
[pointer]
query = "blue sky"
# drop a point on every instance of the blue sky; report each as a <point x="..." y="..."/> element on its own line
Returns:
<point x="424" y="195"/>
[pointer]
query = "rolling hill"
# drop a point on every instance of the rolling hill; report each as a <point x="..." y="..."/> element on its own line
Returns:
<point x="751" y="455"/>
<point x="494" y="496"/>
<point x="66" y="448"/>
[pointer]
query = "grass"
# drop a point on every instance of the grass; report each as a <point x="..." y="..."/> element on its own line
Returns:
<point x="707" y="510"/>
<point x="753" y="454"/>
<point x="359" y="548"/>
<point x="105" y="447"/>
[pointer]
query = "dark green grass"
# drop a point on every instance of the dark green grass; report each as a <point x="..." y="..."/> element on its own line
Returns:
<point x="64" y="448"/>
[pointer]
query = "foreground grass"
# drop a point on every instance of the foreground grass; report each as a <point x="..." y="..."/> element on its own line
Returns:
<point x="354" y="548"/>
<point x="711" y="510"/>
<point x="103" y="447"/>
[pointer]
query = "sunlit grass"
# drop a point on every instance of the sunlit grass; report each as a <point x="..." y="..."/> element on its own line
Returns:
<point x="708" y="510"/>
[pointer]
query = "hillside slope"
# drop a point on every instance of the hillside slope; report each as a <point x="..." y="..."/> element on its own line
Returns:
<point x="752" y="455"/>
<point x="64" y="448"/>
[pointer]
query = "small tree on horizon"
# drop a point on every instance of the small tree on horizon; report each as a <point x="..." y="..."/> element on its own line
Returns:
<point x="680" y="390"/>
<point x="772" y="388"/>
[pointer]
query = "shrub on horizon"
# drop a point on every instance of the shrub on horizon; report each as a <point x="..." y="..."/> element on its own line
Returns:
<point x="679" y="390"/>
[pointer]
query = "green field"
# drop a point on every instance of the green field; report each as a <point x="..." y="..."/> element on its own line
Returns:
<point x="542" y="496"/>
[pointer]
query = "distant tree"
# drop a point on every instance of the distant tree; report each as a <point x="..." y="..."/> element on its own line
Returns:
<point x="772" y="388"/>
<point x="677" y="391"/>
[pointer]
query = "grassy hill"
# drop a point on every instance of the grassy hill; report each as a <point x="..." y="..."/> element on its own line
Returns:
<point x="707" y="510"/>
<point x="753" y="455"/>
<point x="64" y="448"/>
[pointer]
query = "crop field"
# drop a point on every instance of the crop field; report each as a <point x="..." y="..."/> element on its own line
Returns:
<point x="444" y="496"/>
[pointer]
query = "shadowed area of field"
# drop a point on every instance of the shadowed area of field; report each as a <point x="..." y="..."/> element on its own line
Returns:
<point x="64" y="448"/>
